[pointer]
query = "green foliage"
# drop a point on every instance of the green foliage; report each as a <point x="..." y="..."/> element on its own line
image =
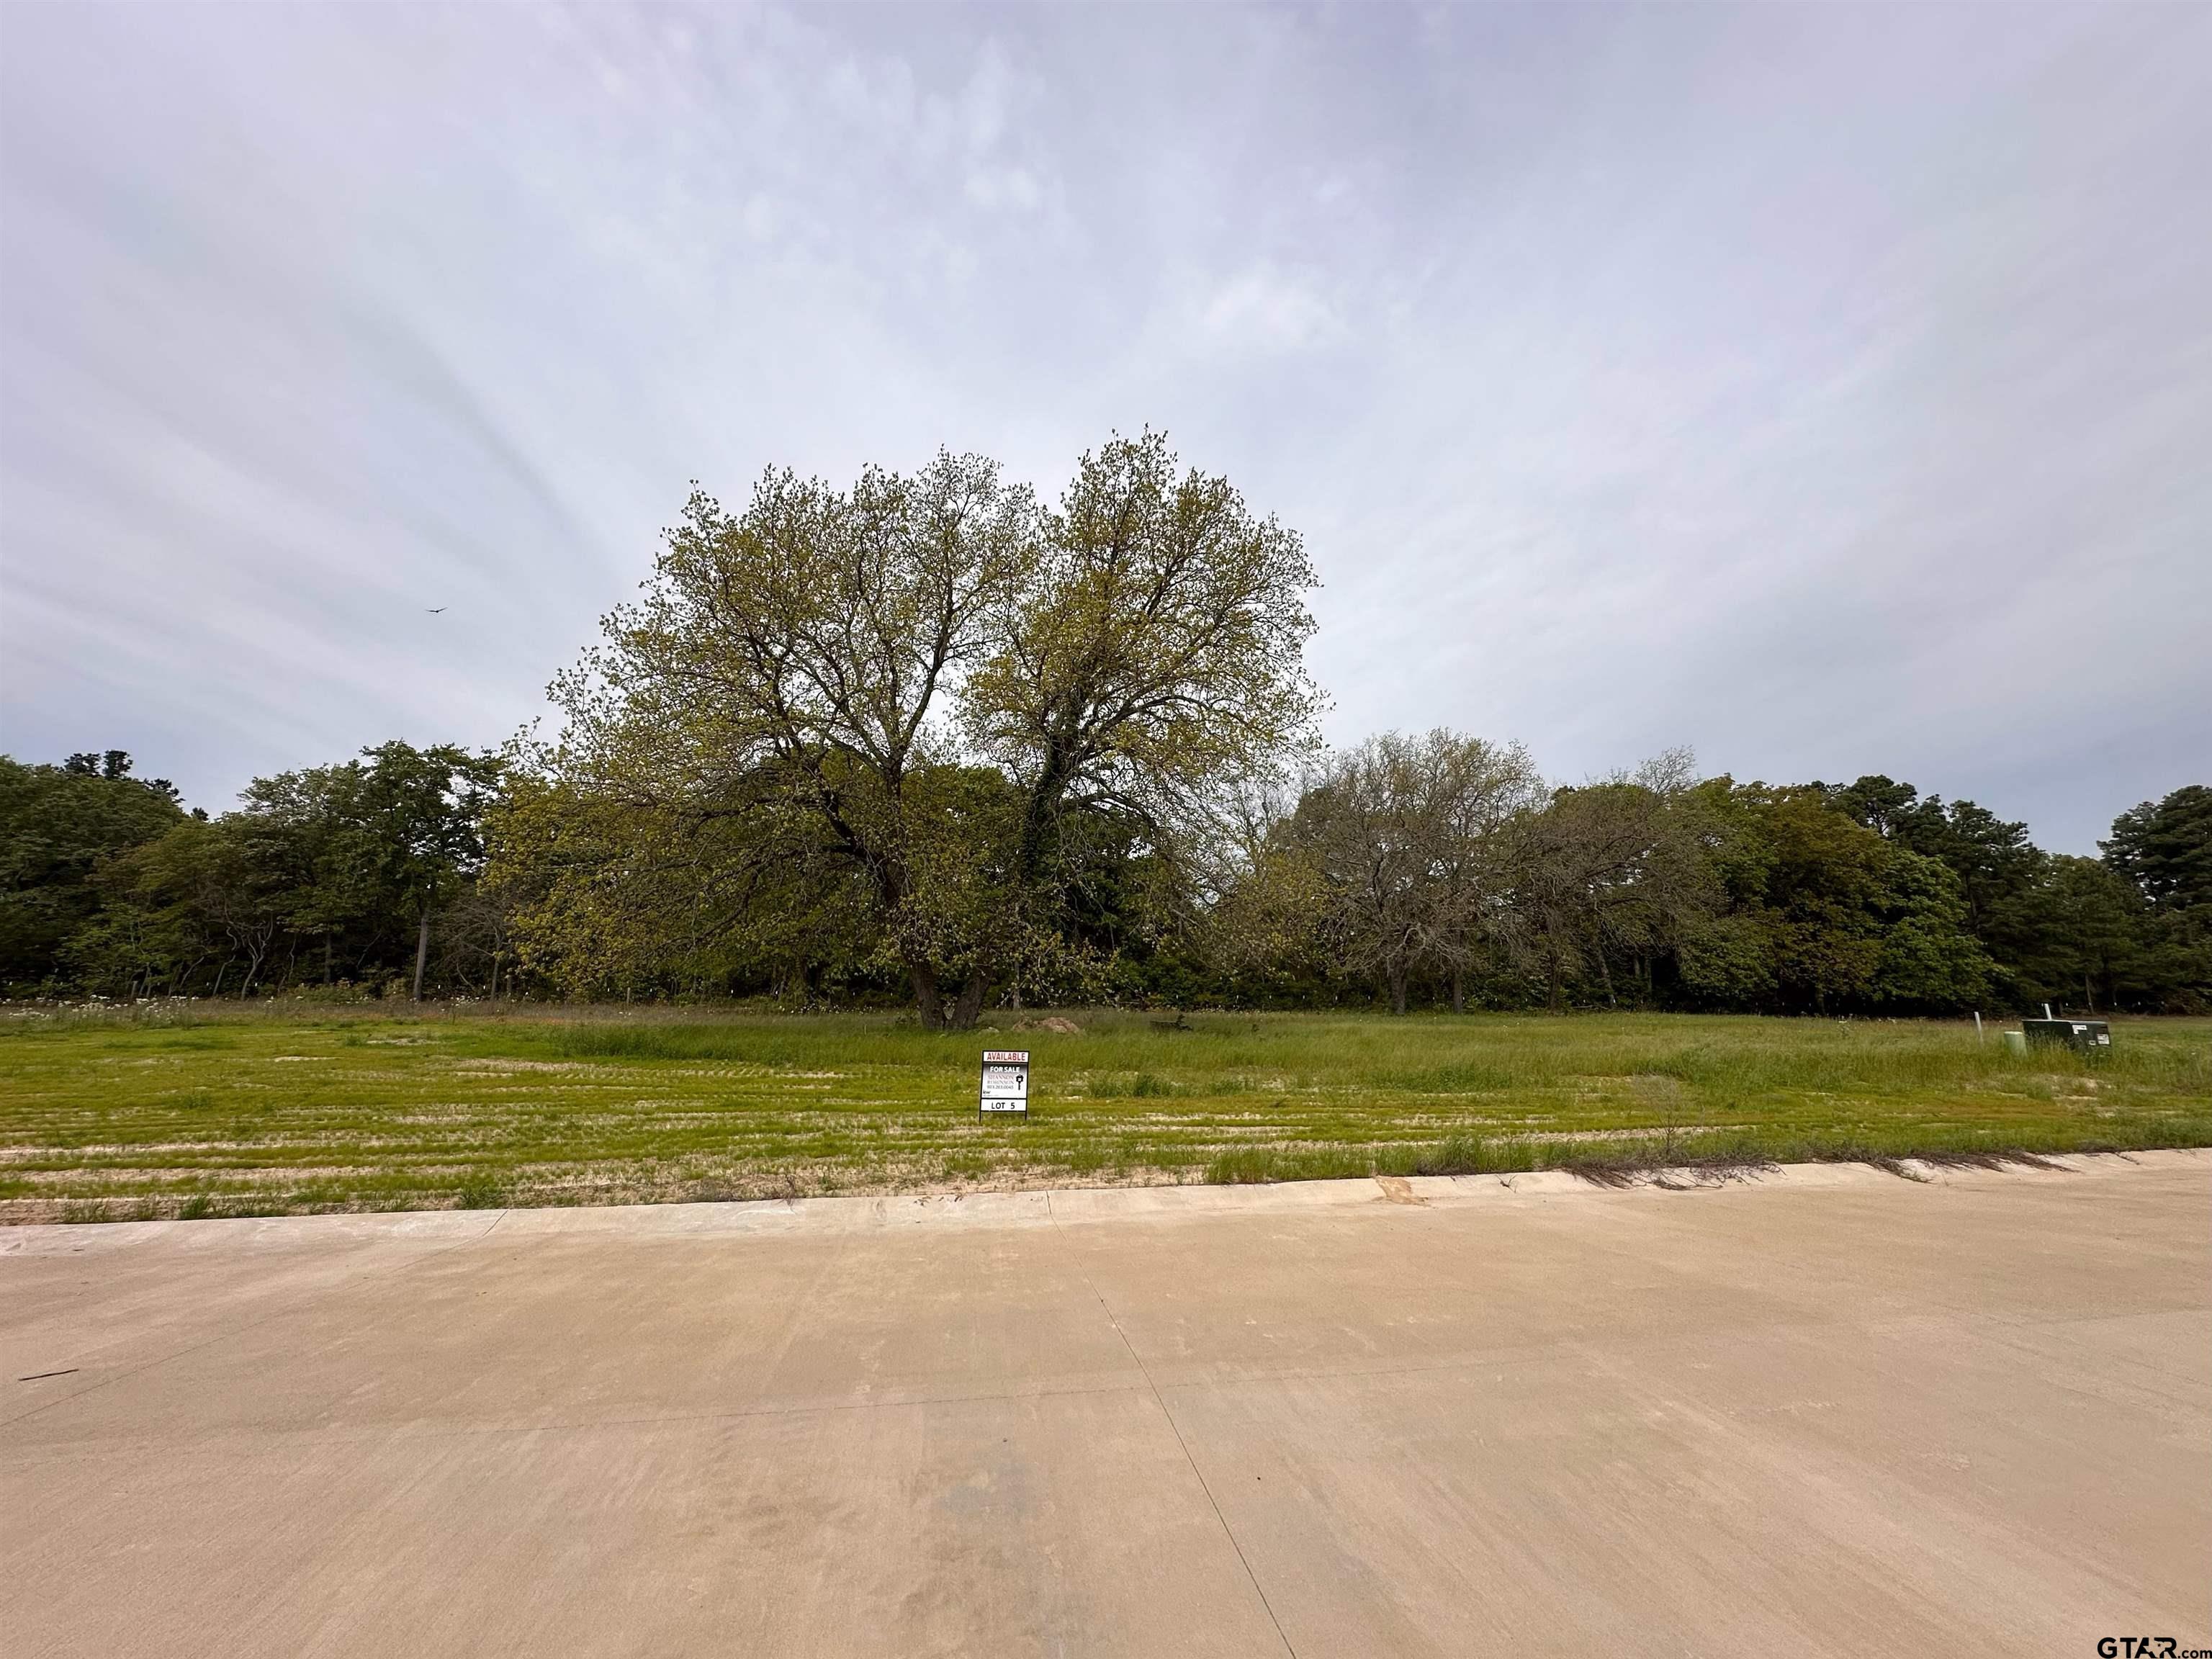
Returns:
<point x="1619" y="872"/>
<point x="206" y="893"/>
<point x="1423" y="869"/>
<point x="59" y="826"/>
<point x="1822" y="914"/>
<point x="1991" y="858"/>
<point x="2164" y="850"/>
<point x="392" y="833"/>
<point x="1727" y="962"/>
<point x="334" y="873"/>
<point x="1403" y="849"/>
<point x="963" y="736"/>
<point x="1929" y="959"/>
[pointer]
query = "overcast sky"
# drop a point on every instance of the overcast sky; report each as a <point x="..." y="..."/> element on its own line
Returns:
<point x="1827" y="390"/>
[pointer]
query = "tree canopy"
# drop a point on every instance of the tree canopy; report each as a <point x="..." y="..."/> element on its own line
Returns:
<point x="329" y="873"/>
<point x="926" y="737"/>
<point x="59" y="826"/>
<point x="922" y="706"/>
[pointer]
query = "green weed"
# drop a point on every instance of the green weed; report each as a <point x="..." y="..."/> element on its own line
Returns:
<point x="277" y="1109"/>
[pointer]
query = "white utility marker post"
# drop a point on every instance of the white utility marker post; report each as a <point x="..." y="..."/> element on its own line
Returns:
<point x="1006" y="1080"/>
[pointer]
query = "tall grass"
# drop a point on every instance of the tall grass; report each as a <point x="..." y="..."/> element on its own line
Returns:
<point x="229" y="1110"/>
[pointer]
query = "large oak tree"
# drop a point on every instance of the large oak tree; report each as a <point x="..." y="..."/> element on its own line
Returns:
<point x="919" y="698"/>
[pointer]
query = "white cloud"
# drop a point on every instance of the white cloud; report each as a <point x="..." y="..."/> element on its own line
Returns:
<point x="1265" y="309"/>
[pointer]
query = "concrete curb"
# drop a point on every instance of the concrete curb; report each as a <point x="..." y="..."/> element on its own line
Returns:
<point x="1066" y="1206"/>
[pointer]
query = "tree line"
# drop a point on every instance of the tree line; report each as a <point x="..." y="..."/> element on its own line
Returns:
<point x="337" y="875"/>
<point x="930" y="739"/>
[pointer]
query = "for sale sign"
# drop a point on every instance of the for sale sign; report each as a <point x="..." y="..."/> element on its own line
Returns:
<point x="1006" y="1080"/>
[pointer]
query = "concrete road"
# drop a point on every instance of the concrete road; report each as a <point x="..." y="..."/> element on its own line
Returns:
<point x="1831" y="1412"/>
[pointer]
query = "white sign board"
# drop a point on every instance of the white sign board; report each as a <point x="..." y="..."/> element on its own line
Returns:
<point x="1006" y="1080"/>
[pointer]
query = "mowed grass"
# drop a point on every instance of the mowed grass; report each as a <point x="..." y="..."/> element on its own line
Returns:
<point x="203" y="1109"/>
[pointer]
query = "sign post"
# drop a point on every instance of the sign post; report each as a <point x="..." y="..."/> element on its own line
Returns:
<point x="1006" y="1080"/>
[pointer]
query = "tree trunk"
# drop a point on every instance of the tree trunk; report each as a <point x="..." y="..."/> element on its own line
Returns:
<point x="1606" y="974"/>
<point x="422" y="948"/>
<point x="1397" y="988"/>
<point x="928" y="998"/>
<point x="970" y="1006"/>
<point x="1459" y="992"/>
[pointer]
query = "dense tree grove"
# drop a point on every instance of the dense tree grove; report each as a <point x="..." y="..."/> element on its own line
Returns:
<point x="343" y="875"/>
<point x="927" y="739"/>
<point x="1411" y="871"/>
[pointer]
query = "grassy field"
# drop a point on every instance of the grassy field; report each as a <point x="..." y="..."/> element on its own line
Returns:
<point x="205" y="1110"/>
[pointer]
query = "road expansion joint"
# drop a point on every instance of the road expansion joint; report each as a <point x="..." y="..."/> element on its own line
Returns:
<point x="1175" y="1429"/>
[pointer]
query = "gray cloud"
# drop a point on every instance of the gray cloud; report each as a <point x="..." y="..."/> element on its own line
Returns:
<point x="1826" y="388"/>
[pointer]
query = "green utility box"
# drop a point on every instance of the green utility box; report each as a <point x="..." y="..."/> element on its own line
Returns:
<point x="2088" y="1035"/>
